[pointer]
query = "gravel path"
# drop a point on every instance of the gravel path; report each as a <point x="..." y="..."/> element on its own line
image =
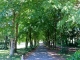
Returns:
<point x="41" y="53"/>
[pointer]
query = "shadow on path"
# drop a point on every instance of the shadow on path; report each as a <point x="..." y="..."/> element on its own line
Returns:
<point x="40" y="53"/>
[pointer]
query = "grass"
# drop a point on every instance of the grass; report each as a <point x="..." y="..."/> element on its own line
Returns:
<point x="4" y="54"/>
<point x="75" y="56"/>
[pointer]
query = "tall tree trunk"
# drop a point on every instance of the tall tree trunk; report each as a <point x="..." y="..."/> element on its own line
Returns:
<point x="12" y="47"/>
<point x="26" y="44"/>
<point x="16" y="38"/>
<point x="53" y="42"/>
<point x="54" y="37"/>
<point x="48" y="38"/>
<point x="35" y="43"/>
<point x="55" y="27"/>
<point x="31" y="42"/>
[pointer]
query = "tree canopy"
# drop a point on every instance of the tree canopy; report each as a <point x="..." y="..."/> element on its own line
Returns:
<point x="54" y="21"/>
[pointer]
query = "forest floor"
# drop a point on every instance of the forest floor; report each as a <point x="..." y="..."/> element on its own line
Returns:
<point x="42" y="53"/>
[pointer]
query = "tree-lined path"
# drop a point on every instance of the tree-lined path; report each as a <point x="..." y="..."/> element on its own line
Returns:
<point x="41" y="53"/>
<point x="55" y="22"/>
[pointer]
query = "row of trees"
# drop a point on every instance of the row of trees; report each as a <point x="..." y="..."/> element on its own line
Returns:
<point x="54" y="21"/>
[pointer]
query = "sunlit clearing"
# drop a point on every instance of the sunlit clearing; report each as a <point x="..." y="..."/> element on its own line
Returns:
<point x="21" y="45"/>
<point x="40" y="41"/>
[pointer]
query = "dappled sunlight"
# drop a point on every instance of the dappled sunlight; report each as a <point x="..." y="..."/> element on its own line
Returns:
<point x="37" y="58"/>
<point x="4" y="55"/>
<point x="4" y="51"/>
<point x="73" y="49"/>
<point x="40" y="54"/>
<point x="44" y="29"/>
<point x="54" y="54"/>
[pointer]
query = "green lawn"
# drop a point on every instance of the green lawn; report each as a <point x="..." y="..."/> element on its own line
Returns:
<point x="4" y="55"/>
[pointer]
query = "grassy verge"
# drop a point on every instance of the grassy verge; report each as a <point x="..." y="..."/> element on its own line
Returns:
<point x="75" y="56"/>
<point x="4" y="54"/>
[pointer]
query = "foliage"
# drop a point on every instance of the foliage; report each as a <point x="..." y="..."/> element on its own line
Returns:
<point x="50" y="20"/>
<point x="75" y="56"/>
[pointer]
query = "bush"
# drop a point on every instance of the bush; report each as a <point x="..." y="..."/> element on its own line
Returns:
<point x="75" y="56"/>
<point x="64" y="50"/>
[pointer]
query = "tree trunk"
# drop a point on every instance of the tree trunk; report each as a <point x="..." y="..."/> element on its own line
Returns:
<point x="55" y="27"/>
<point x="53" y="43"/>
<point x="31" y="42"/>
<point x="26" y="41"/>
<point x="13" y="35"/>
<point x="48" y="38"/>
<point x="16" y="37"/>
<point x="12" y="47"/>
<point x="54" y="39"/>
<point x="35" y="43"/>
